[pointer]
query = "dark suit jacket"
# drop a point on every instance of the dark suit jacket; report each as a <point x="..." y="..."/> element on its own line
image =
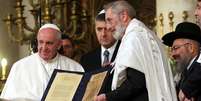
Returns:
<point x="190" y="82"/>
<point x="132" y="89"/>
<point x="92" y="60"/>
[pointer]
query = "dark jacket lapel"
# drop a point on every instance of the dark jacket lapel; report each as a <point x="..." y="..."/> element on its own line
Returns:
<point x="115" y="51"/>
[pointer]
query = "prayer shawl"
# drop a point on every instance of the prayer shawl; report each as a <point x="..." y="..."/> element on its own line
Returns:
<point x="142" y="50"/>
<point x="29" y="76"/>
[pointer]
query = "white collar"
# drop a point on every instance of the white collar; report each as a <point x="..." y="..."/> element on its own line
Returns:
<point x="49" y="61"/>
<point x="199" y="58"/>
<point x="111" y="51"/>
<point x="189" y="65"/>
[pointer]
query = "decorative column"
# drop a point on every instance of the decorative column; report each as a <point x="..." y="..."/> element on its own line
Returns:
<point x="174" y="12"/>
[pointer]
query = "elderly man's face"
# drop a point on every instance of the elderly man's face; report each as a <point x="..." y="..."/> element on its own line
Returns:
<point x="48" y="43"/>
<point x="114" y="24"/>
<point x="180" y="51"/>
<point x="198" y="13"/>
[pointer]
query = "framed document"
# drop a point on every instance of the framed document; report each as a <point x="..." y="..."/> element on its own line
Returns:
<point x="74" y="86"/>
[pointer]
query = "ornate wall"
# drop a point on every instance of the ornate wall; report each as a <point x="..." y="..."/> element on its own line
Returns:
<point x="74" y="17"/>
<point x="8" y="49"/>
<point x="172" y="12"/>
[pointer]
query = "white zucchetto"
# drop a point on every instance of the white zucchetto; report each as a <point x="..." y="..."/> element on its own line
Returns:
<point x="48" y="25"/>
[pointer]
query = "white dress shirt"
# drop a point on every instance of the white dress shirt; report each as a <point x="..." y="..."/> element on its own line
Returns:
<point x="111" y="51"/>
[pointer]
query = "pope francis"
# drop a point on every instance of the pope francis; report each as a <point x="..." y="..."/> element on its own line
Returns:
<point x="29" y="76"/>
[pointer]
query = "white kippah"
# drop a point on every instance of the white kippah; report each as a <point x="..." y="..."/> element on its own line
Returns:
<point x="102" y="11"/>
<point x="48" y="25"/>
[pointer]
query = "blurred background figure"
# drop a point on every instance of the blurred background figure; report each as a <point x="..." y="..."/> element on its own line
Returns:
<point x="67" y="47"/>
<point x="106" y="52"/>
<point x="198" y="12"/>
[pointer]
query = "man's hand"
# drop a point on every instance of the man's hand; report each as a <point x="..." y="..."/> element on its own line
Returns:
<point x="186" y="99"/>
<point x="182" y="97"/>
<point x="100" y="97"/>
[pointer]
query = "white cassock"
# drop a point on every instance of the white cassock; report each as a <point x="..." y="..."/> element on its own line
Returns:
<point x="29" y="76"/>
<point x="142" y="50"/>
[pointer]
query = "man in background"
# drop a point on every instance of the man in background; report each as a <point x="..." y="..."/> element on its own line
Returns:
<point x="106" y="52"/>
<point x="198" y="13"/>
<point x="29" y="76"/>
<point x="67" y="46"/>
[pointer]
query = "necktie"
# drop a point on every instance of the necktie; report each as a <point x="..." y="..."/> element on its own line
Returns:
<point x="106" y="57"/>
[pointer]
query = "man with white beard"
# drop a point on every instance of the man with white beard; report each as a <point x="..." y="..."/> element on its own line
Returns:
<point x="141" y="51"/>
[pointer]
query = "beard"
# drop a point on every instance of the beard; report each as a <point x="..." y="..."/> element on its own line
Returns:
<point x="182" y="65"/>
<point x="119" y="31"/>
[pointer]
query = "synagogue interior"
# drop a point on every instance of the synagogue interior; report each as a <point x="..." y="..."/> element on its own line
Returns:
<point x="21" y="19"/>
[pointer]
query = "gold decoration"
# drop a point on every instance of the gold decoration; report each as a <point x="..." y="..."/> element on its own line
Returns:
<point x="171" y="23"/>
<point x="19" y="35"/>
<point x="3" y="66"/>
<point x="74" y="17"/>
<point x="69" y="15"/>
<point x="161" y="25"/>
<point x="185" y="15"/>
<point x="49" y="11"/>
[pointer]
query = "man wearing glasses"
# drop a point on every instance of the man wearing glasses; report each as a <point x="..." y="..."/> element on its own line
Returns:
<point x="185" y="49"/>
